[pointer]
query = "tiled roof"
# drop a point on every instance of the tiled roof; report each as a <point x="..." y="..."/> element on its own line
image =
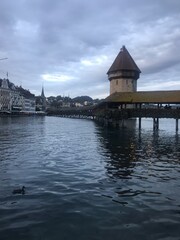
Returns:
<point x="42" y="93"/>
<point x="145" y="97"/>
<point x="123" y="61"/>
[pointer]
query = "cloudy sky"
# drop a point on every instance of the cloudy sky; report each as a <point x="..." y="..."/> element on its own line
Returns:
<point x="69" y="45"/>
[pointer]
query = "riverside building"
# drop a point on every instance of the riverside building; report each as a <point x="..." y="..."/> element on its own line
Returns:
<point x="15" y="99"/>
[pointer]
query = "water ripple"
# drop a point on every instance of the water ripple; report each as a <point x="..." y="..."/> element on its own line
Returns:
<point x="87" y="182"/>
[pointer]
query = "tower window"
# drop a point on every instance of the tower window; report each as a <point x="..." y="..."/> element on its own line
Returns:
<point x="116" y="82"/>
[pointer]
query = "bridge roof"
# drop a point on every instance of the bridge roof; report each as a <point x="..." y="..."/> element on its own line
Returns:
<point x="164" y="97"/>
<point x="123" y="61"/>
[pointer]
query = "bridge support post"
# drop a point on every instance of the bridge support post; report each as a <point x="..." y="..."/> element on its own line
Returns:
<point x="176" y="124"/>
<point x="155" y="123"/>
<point x="139" y="123"/>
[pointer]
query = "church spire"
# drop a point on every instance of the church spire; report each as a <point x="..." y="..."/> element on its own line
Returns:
<point x="42" y="93"/>
<point x="43" y="99"/>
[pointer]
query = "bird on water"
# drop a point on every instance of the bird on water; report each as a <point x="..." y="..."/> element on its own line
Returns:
<point x="19" y="191"/>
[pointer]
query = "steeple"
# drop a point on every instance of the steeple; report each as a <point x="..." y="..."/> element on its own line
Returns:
<point x="43" y="100"/>
<point x="42" y="93"/>
<point x="123" y="73"/>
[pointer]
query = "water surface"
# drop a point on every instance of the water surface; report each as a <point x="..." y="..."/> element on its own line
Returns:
<point x="84" y="181"/>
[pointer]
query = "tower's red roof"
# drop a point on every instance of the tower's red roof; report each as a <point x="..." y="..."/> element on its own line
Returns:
<point x="123" y="61"/>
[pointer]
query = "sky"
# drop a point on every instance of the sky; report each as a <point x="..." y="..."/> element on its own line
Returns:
<point x="67" y="46"/>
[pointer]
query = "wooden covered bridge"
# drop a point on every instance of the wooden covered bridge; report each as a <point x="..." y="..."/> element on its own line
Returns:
<point x="121" y="106"/>
<point x="154" y="104"/>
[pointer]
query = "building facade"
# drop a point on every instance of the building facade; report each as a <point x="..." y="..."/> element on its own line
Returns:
<point x="15" y="99"/>
<point x="5" y="95"/>
<point x="28" y="100"/>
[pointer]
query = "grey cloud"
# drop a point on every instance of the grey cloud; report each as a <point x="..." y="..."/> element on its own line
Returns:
<point x="54" y="36"/>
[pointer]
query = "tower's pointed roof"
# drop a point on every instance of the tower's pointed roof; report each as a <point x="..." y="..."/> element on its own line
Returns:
<point x="123" y="61"/>
<point x="42" y="93"/>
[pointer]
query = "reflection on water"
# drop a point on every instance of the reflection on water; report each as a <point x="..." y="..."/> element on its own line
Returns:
<point x="88" y="182"/>
<point x="120" y="150"/>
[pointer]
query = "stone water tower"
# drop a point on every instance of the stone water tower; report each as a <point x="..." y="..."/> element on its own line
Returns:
<point x="123" y="73"/>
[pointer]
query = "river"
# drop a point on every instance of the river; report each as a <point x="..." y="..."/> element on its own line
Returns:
<point x="84" y="181"/>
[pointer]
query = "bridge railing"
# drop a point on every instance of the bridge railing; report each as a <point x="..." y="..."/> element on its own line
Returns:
<point x="119" y="114"/>
<point x="155" y="113"/>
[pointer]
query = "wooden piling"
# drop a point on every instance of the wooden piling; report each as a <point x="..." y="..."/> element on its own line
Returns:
<point x="139" y="123"/>
<point x="155" y="123"/>
<point x="176" y="124"/>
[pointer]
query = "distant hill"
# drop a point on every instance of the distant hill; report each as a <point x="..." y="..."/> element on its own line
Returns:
<point x="82" y="99"/>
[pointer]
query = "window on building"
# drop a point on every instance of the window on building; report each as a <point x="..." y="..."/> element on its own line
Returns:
<point x="116" y="82"/>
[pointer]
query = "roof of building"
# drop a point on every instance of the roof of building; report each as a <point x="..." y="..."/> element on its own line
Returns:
<point x="145" y="97"/>
<point x="123" y="61"/>
<point x="10" y="85"/>
<point x="42" y="93"/>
